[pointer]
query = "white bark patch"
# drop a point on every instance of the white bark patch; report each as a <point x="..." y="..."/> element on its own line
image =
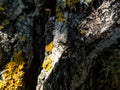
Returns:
<point x="4" y="37"/>
<point x="108" y="24"/>
<point x="57" y="51"/>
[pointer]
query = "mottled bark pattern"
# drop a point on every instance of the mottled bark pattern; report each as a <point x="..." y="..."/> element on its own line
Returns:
<point x="87" y="36"/>
<point x="63" y="43"/>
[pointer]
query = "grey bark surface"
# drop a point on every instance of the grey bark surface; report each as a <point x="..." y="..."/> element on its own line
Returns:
<point x="84" y="36"/>
<point x="74" y="69"/>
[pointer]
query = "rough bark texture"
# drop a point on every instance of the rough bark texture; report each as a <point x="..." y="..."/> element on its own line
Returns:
<point x="65" y="45"/>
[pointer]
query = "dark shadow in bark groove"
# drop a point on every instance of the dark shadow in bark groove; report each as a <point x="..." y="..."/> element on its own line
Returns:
<point x="103" y="72"/>
<point x="39" y="44"/>
<point x="38" y="54"/>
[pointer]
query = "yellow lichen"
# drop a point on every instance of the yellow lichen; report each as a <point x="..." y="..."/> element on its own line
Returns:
<point x="20" y="18"/>
<point x="83" y="32"/>
<point x="22" y="38"/>
<point x="48" y="67"/>
<point x="1" y="27"/>
<point x="13" y="75"/>
<point x="49" y="47"/>
<point x="18" y="57"/>
<point x="78" y="27"/>
<point x="2" y="9"/>
<point x="70" y="3"/>
<point x="5" y="22"/>
<point x="60" y="17"/>
<point x="47" y="64"/>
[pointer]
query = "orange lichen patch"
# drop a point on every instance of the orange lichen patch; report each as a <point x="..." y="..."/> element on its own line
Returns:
<point x="49" y="47"/>
<point x="47" y="64"/>
<point x="13" y="73"/>
<point x="60" y="17"/>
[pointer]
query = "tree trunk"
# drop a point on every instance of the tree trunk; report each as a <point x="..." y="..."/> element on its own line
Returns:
<point x="60" y="44"/>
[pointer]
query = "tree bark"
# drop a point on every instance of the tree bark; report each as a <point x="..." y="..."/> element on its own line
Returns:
<point x="88" y="32"/>
<point x="65" y="44"/>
